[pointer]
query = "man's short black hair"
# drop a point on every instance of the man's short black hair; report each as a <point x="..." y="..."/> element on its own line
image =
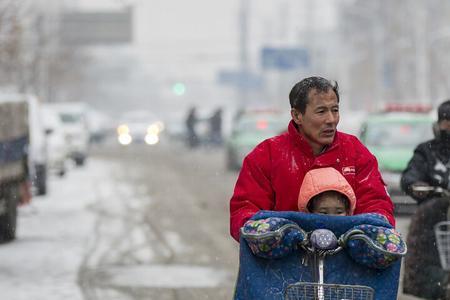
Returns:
<point x="444" y="111"/>
<point x="298" y="97"/>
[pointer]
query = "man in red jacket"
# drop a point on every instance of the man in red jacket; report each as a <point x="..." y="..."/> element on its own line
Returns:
<point x="272" y="173"/>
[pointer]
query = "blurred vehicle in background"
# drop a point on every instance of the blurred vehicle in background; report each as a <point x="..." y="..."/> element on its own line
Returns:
<point x="175" y="127"/>
<point x="38" y="152"/>
<point x="14" y="176"/>
<point x="392" y="136"/>
<point x="350" y="121"/>
<point x="75" y="128"/>
<point x="37" y="148"/>
<point x="57" y="150"/>
<point x="249" y="128"/>
<point x="137" y="127"/>
<point x="99" y="125"/>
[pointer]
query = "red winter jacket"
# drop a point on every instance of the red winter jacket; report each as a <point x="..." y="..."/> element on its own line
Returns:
<point x="272" y="173"/>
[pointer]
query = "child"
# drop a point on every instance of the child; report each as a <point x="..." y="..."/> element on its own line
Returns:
<point x="326" y="191"/>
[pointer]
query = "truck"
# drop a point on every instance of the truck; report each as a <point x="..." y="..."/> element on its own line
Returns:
<point x="15" y="187"/>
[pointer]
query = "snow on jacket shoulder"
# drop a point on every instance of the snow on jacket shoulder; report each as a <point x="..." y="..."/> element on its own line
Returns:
<point x="272" y="173"/>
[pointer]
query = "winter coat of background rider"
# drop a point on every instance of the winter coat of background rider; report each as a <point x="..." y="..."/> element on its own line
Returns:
<point x="429" y="166"/>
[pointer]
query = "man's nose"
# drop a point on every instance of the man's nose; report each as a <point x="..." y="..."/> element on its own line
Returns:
<point x="331" y="117"/>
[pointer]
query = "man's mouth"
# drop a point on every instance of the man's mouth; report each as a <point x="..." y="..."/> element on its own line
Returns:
<point x="328" y="132"/>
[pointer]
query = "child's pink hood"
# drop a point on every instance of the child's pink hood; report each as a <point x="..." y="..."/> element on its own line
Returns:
<point x="320" y="180"/>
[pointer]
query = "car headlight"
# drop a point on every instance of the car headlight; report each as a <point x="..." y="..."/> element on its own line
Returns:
<point x="153" y="129"/>
<point x="152" y="139"/>
<point x="125" y="139"/>
<point x="123" y="129"/>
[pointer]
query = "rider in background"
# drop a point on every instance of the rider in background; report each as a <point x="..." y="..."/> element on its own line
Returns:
<point x="191" y="130"/>
<point x="326" y="191"/>
<point x="429" y="166"/>
<point x="215" y="127"/>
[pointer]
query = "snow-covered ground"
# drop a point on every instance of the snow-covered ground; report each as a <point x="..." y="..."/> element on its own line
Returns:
<point x="43" y="262"/>
<point x="89" y="234"/>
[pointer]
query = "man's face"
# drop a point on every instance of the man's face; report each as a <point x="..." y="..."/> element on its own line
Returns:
<point x="444" y="125"/>
<point x="318" y="123"/>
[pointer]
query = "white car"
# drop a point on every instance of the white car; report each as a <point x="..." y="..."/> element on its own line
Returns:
<point x="137" y="127"/>
<point x="76" y="133"/>
<point x="57" y="151"/>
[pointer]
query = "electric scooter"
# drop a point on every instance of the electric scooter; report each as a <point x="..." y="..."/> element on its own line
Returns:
<point x="325" y="265"/>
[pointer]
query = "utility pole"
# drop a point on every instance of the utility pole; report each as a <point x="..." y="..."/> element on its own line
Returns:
<point x="379" y="57"/>
<point x="422" y="72"/>
<point x="243" y="50"/>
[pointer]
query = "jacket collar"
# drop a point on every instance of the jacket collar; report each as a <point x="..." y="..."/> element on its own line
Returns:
<point x="303" y="144"/>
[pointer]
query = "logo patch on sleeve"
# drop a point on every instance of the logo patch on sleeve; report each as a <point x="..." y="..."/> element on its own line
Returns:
<point x="350" y="170"/>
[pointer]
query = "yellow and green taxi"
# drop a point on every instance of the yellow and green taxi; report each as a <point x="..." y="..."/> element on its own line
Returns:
<point x="392" y="138"/>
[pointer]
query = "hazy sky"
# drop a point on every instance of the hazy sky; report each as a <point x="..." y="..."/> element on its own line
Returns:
<point x="177" y="34"/>
<point x="191" y="41"/>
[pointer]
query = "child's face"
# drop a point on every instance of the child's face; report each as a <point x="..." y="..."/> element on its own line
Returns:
<point x="330" y="204"/>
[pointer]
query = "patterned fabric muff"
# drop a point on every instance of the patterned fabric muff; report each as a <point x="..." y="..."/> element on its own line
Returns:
<point x="273" y="237"/>
<point x="374" y="246"/>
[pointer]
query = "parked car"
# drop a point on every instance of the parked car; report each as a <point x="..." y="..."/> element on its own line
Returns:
<point x="249" y="128"/>
<point x="76" y="133"/>
<point x="392" y="137"/>
<point x="57" y="150"/>
<point x="99" y="126"/>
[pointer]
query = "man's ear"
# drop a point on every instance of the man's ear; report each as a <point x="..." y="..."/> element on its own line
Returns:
<point x="296" y="116"/>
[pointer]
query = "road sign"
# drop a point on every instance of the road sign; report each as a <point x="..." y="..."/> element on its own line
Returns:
<point x="284" y="58"/>
<point x="240" y="79"/>
<point x="94" y="28"/>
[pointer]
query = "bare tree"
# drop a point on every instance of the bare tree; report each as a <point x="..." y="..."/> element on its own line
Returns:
<point x="397" y="49"/>
<point x="31" y="58"/>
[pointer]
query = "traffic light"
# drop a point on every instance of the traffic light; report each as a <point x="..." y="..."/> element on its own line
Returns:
<point x="179" y="88"/>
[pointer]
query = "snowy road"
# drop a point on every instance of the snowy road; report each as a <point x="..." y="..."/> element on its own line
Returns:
<point x="134" y="223"/>
<point x="128" y="225"/>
